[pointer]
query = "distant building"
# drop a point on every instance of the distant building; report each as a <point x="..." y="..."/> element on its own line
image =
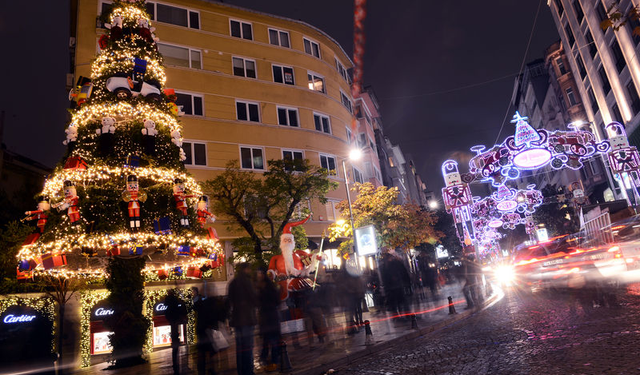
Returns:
<point x="605" y="64"/>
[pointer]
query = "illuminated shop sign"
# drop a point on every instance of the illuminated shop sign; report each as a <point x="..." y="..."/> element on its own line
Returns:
<point x="160" y="308"/>
<point x="102" y="312"/>
<point x="12" y="319"/>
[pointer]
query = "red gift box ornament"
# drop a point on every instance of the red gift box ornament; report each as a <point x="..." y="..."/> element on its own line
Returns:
<point x="113" y="251"/>
<point x="75" y="163"/>
<point x="194" y="272"/>
<point x="49" y="260"/>
<point x="31" y="239"/>
<point x="23" y="276"/>
<point x="162" y="274"/>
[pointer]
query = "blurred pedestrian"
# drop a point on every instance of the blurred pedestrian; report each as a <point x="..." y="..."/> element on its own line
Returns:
<point x="210" y="312"/>
<point x="243" y="301"/>
<point x="395" y="278"/>
<point x="269" y="321"/>
<point x="472" y="277"/>
<point x="176" y="314"/>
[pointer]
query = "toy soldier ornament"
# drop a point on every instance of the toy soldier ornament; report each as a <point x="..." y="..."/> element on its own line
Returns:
<point x="134" y="196"/>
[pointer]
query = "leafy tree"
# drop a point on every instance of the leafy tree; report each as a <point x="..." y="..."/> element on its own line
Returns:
<point x="262" y="205"/>
<point x="11" y="238"/>
<point x="404" y="226"/>
<point x="617" y="18"/>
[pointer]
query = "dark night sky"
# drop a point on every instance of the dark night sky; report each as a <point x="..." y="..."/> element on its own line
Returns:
<point x="443" y="70"/>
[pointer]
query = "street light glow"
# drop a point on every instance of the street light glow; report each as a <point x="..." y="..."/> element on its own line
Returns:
<point x="355" y="154"/>
<point x="433" y="205"/>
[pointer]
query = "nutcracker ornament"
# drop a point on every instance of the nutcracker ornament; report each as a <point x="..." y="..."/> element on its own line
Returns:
<point x="70" y="203"/>
<point x="180" y="197"/>
<point x="134" y="196"/>
<point x="40" y="215"/>
<point x="203" y="214"/>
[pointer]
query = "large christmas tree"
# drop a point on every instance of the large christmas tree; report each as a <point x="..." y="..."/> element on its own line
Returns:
<point x="122" y="188"/>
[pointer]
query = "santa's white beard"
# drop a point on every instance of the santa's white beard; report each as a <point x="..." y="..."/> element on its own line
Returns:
<point x="287" y="255"/>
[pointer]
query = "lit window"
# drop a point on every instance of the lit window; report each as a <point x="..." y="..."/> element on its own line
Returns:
<point x="279" y="38"/>
<point x="244" y="68"/>
<point x="252" y="158"/>
<point x="316" y="82"/>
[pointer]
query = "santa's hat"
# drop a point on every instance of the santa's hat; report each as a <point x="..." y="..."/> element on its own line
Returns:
<point x="288" y="226"/>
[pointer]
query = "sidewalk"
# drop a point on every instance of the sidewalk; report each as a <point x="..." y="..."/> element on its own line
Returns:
<point x="338" y="350"/>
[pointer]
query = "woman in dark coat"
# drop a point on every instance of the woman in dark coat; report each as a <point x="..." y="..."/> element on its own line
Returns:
<point x="268" y="320"/>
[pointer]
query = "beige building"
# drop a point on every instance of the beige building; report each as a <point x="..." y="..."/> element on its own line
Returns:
<point x="253" y="87"/>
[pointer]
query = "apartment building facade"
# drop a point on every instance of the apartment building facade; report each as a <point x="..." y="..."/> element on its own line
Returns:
<point x="252" y="86"/>
<point x="604" y="62"/>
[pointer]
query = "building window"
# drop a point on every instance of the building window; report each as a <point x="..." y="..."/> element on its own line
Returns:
<point x="617" y="116"/>
<point x="341" y="70"/>
<point x="561" y="67"/>
<point x="362" y="140"/>
<point x="357" y="176"/>
<point x="329" y="163"/>
<point x="634" y="29"/>
<point x="279" y="38"/>
<point x="593" y="50"/>
<point x="196" y="153"/>
<point x="292" y="155"/>
<point x="579" y="12"/>
<point x="174" y="15"/>
<point x="331" y="210"/>
<point x="349" y="135"/>
<point x="287" y="116"/>
<point x="571" y="96"/>
<point x="570" y="38"/>
<point x="602" y="13"/>
<point x="241" y="30"/>
<point x="283" y="74"/>
<point x="248" y="111"/>
<point x="312" y="48"/>
<point x="180" y="56"/>
<point x="244" y="68"/>
<point x="559" y="7"/>
<point x="633" y="95"/>
<point x="594" y="102"/>
<point x="581" y="68"/>
<point x="346" y="102"/>
<point x="618" y="56"/>
<point x="252" y="158"/>
<point x="190" y="104"/>
<point x="316" y="82"/>
<point x="606" y="86"/>
<point x="322" y="123"/>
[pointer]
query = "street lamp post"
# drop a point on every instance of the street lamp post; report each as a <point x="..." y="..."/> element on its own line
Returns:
<point x="354" y="155"/>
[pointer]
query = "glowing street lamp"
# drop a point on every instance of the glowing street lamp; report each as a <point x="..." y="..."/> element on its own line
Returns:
<point x="354" y="155"/>
<point x="433" y="204"/>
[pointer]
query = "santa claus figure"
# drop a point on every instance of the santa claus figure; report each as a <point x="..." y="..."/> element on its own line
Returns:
<point x="203" y="214"/>
<point x="40" y="215"/>
<point x="180" y="197"/>
<point x="70" y="203"/>
<point x="133" y="195"/>
<point x="291" y="268"/>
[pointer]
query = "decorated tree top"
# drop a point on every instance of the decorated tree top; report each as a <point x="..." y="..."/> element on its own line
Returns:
<point x="122" y="188"/>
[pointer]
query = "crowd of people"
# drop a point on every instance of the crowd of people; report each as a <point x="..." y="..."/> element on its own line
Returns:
<point x="254" y="304"/>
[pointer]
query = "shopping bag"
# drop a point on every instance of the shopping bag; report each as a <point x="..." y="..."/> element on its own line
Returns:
<point x="217" y="339"/>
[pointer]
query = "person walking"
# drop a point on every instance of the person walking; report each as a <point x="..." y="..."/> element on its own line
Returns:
<point x="175" y="314"/>
<point x="243" y="302"/>
<point x="268" y="321"/>
<point x="209" y="313"/>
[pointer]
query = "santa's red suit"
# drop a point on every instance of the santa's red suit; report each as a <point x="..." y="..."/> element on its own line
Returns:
<point x="291" y="268"/>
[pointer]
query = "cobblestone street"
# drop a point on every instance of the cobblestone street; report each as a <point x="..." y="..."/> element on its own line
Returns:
<point x="540" y="333"/>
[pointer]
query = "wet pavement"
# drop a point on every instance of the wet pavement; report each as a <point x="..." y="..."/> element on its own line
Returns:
<point x="540" y="333"/>
<point x="339" y="350"/>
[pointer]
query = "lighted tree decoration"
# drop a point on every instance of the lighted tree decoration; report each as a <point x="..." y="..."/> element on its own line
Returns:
<point x="124" y="128"/>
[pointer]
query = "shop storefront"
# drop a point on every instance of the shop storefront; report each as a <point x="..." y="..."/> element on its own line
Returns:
<point x="99" y="334"/>
<point x="27" y="334"/>
<point x="162" y="329"/>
